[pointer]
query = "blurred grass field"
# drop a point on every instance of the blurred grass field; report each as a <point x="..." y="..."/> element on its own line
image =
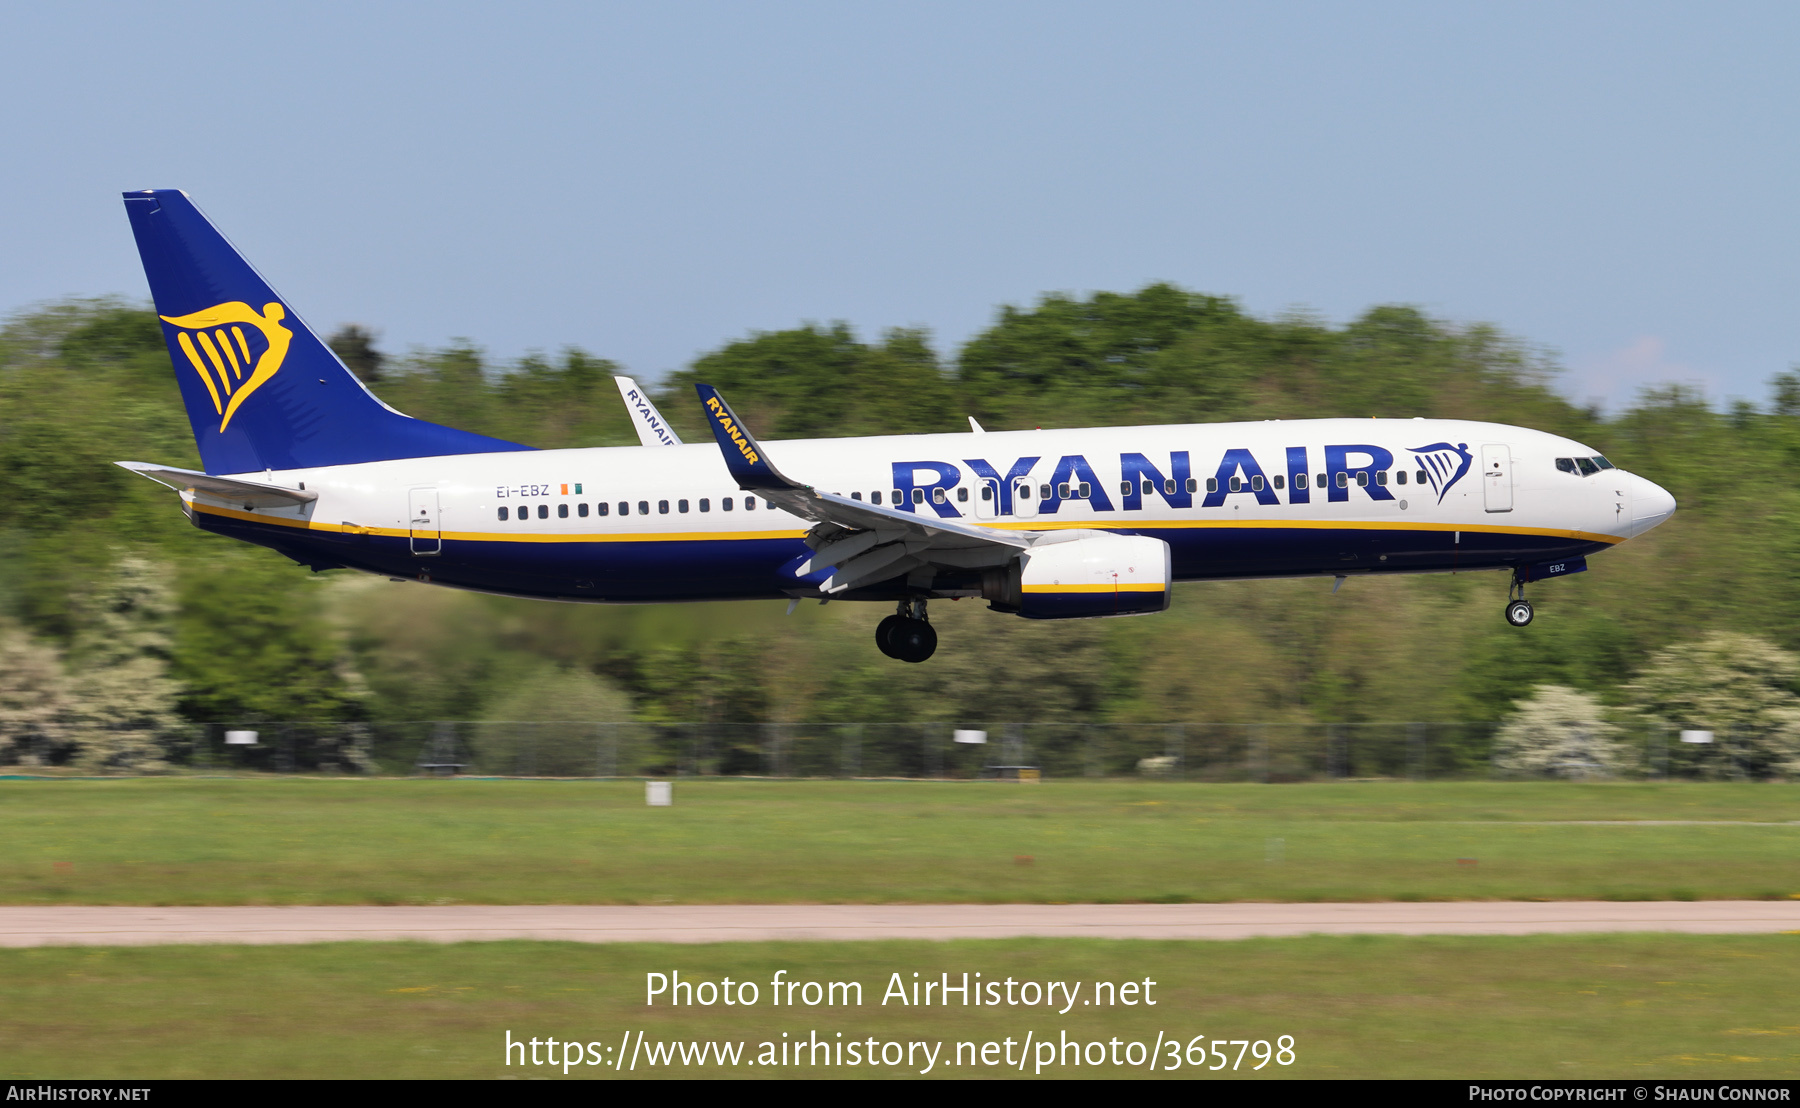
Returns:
<point x="1591" y="1006"/>
<point x="397" y="841"/>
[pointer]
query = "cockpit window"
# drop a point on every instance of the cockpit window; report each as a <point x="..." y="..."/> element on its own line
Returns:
<point x="1567" y="465"/>
<point x="1603" y="463"/>
<point x="1588" y="468"/>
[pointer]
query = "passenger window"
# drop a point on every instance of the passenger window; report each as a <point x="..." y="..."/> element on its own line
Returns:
<point x="1085" y="491"/>
<point x="681" y="506"/>
<point x="1399" y="477"/>
<point x="1321" y="481"/>
<point x="962" y="496"/>
<point x="1023" y="492"/>
<point x="601" y="508"/>
<point x="1588" y="468"/>
<point x="502" y="515"/>
<point x="938" y="497"/>
<point x="1420" y="478"/>
<point x="1343" y="480"/>
<point x="1043" y="492"/>
<point x="624" y="507"/>
<point x="918" y="496"/>
<point x="643" y="507"/>
<point x="1237" y="484"/>
<point x="1598" y="460"/>
<point x="749" y="503"/>
<point x="662" y="507"/>
<point x="1193" y="485"/>
<point x="987" y="492"/>
<point x="1124" y="488"/>
<point x="1299" y="480"/>
<point x="1256" y="483"/>
<point x="543" y="511"/>
<point x="1277" y="479"/>
<point x="1212" y="484"/>
<point x="769" y="504"/>
<point x="856" y="496"/>
<point x="1169" y="487"/>
<point x="562" y="511"/>
<point x="1567" y="465"/>
<point x="1148" y="488"/>
<point x="1062" y="491"/>
<point x="899" y="497"/>
<point x="1362" y="478"/>
<point x="705" y="504"/>
<point x="875" y="498"/>
<point x="1381" y="477"/>
<point x="728" y="503"/>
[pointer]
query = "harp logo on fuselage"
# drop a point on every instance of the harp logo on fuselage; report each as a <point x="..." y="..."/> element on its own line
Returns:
<point x="234" y="349"/>
<point x="1443" y="464"/>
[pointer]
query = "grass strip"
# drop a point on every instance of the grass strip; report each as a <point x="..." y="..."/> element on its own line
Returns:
<point x="397" y="841"/>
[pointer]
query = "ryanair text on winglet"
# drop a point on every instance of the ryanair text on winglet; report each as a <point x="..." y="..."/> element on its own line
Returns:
<point x="718" y="411"/>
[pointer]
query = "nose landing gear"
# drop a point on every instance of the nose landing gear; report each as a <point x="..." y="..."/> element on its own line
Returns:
<point x="1518" y="609"/>
<point x="906" y="635"/>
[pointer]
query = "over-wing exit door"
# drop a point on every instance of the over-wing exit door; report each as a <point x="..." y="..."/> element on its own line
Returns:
<point x="1024" y="506"/>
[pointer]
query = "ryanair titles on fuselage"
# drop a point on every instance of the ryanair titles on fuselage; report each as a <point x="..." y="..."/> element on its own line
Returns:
<point x="1439" y="466"/>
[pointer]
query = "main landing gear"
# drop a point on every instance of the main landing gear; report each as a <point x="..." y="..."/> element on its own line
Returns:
<point x="905" y="634"/>
<point x="1518" y="609"/>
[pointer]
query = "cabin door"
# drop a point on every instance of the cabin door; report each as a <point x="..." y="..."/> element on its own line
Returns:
<point x="1497" y="477"/>
<point x="422" y="521"/>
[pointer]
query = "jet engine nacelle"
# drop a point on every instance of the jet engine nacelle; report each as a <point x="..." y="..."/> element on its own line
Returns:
<point x="1080" y="575"/>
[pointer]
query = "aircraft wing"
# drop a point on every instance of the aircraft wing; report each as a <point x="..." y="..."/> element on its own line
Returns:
<point x="864" y="543"/>
<point x="251" y="494"/>
<point x="652" y="428"/>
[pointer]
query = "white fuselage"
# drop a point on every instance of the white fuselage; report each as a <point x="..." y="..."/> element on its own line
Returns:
<point x="652" y="523"/>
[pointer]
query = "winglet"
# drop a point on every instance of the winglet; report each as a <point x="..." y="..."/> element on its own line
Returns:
<point x="652" y="428"/>
<point x="743" y="454"/>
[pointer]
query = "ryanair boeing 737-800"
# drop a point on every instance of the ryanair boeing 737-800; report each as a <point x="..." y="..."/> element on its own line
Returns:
<point x="300" y="457"/>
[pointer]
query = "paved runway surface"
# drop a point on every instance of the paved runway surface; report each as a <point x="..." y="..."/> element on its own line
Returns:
<point x="765" y="922"/>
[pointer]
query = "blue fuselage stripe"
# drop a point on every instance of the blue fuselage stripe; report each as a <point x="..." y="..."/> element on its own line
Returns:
<point x="749" y="568"/>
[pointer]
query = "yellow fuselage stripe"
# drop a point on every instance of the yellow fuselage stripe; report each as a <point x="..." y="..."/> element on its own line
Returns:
<point x="1059" y="525"/>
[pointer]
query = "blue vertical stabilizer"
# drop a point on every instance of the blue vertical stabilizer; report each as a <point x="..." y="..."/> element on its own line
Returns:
<point x="262" y="391"/>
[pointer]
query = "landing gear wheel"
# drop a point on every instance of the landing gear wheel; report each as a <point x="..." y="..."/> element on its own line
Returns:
<point x="884" y="630"/>
<point x="1518" y="612"/>
<point x="911" y="640"/>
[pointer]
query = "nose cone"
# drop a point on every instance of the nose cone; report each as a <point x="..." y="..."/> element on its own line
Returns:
<point x="1651" y="504"/>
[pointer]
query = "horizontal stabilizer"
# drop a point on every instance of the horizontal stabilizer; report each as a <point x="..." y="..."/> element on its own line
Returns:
<point x="251" y="494"/>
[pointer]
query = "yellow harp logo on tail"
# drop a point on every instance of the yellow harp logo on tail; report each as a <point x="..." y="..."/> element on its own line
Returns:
<point x="215" y="343"/>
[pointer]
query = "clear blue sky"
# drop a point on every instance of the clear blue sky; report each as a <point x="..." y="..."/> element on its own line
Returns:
<point x="1613" y="182"/>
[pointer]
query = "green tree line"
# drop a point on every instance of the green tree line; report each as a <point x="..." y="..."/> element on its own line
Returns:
<point x="248" y="635"/>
